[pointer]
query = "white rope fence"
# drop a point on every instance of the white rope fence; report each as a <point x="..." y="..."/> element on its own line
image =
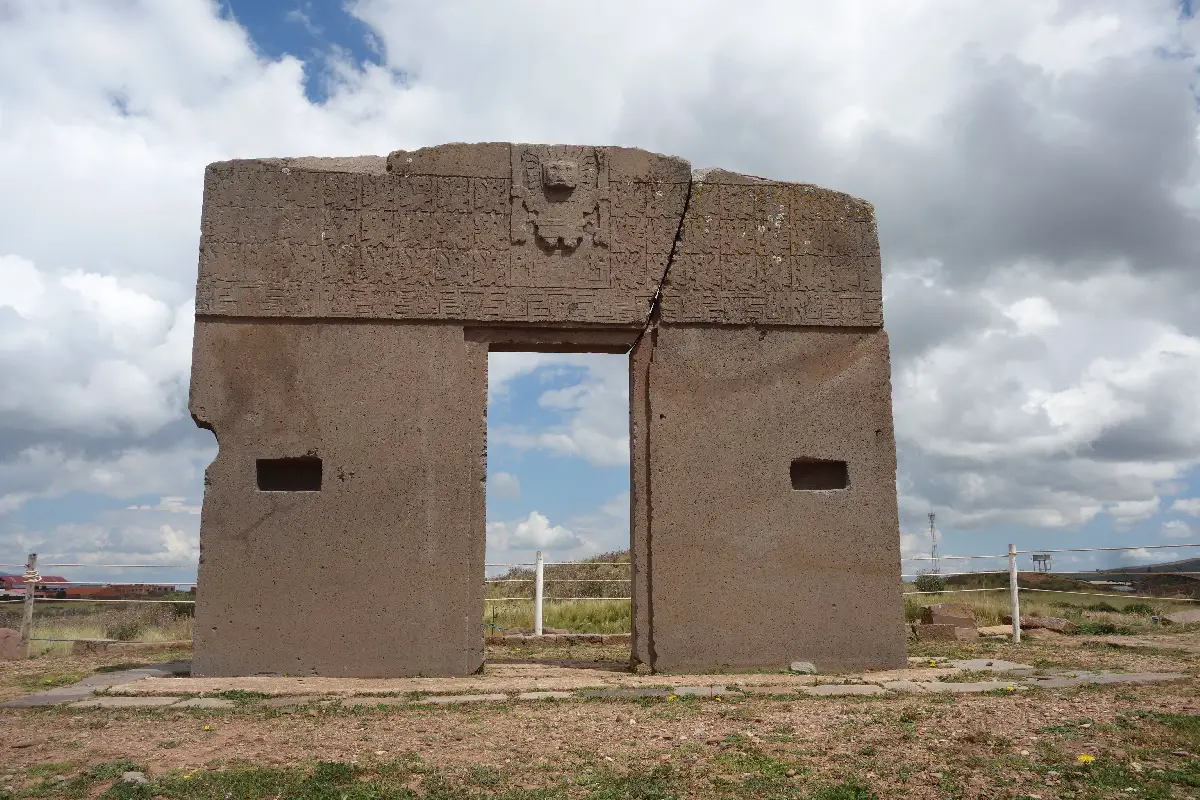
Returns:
<point x="32" y="579"/>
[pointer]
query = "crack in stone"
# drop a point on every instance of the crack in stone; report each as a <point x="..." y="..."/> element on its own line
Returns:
<point x="656" y="301"/>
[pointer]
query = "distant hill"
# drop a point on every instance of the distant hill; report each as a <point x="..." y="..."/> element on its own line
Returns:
<point x="1141" y="578"/>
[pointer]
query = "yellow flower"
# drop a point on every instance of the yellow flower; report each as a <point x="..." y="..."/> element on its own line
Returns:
<point x="187" y="777"/>
<point x="208" y="727"/>
<point x="932" y="663"/>
<point x="672" y="697"/>
<point x="1086" y="759"/>
<point x="718" y="699"/>
<point x="1010" y="688"/>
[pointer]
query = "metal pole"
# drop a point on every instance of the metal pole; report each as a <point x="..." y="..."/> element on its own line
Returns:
<point x="31" y="581"/>
<point x="537" y="595"/>
<point x="1014" y="594"/>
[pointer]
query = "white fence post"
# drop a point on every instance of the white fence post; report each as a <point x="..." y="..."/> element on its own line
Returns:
<point x="31" y="582"/>
<point x="1014" y="594"/>
<point x="537" y="595"/>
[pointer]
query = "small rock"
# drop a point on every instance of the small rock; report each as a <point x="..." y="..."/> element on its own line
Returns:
<point x="138" y="778"/>
<point x="804" y="667"/>
<point x="791" y="773"/>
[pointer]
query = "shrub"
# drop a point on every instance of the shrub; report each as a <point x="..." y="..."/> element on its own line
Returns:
<point x="1105" y="606"/>
<point x="1092" y="628"/>
<point x="124" y="630"/>
<point x="930" y="583"/>
<point x="1139" y="608"/>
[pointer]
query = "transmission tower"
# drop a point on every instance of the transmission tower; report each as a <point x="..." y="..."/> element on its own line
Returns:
<point x="933" y="545"/>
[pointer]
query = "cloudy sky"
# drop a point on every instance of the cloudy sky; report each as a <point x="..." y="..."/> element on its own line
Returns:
<point x="1034" y="166"/>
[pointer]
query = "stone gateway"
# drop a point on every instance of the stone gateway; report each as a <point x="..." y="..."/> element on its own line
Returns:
<point x="345" y="308"/>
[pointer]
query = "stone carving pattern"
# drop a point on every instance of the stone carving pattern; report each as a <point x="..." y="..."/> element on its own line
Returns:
<point x="300" y="243"/>
<point x="775" y="254"/>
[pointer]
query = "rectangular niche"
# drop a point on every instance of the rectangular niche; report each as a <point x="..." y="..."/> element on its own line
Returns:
<point x="301" y="474"/>
<point x="818" y="474"/>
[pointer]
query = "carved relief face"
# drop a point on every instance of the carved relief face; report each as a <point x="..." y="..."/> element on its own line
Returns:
<point x="559" y="174"/>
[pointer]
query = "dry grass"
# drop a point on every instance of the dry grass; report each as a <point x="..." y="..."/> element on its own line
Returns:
<point x="140" y="623"/>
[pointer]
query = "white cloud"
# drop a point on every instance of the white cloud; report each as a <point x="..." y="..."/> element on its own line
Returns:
<point x="533" y="532"/>
<point x="1187" y="505"/>
<point x="1141" y="554"/>
<point x="504" y="485"/>
<point x="1041" y="291"/>
<point x="1177" y="529"/>
<point x="596" y="407"/>
<point x="173" y="505"/>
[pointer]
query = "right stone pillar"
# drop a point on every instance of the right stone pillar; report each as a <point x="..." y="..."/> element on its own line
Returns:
<point x="765" y="526"/>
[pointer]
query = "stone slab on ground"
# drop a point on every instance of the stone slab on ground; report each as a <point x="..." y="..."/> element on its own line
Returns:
<point x="942" y="633"/>
<point x="1100" y="679"/>
<point x="108" y="701"/>
<point x="1183" y="617"/>
<point x="957" y="614"/>
<point x="905" y="686"/>
<point x="608" y="693"/>
<point x="995" y="630"/>
<point x="545" y="696"/>
<point x="993" y="665"/>
<point x="206" y="702"/>
<point x="373" y="702"/>
<point x="843" y="690"/>
<point x="452" y="699"/>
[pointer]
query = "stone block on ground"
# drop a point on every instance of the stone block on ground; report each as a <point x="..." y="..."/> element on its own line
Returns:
<point x="206" y="702"/>
<point x="945" y="632"/>
<point x="803" y="667"/>
<point x="10" y="645"/>
<point x="126" y="702"/>
<point x="990" y="665"/>
<point x="1183" y="617"/>
<point x="995" y="630"/>
<point x="374" y="702"/>
<point x="843" y="690"/>
<point x="957" y="614"/>
<point x="453" y="699"/>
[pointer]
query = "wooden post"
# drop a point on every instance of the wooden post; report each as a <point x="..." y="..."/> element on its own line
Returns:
<point x="31" y="582"/>
<point x="1014" y="594"/>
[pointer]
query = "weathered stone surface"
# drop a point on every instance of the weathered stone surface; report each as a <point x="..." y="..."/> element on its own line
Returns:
<point x="475" y="233"/>
<point x="990" y="665"/>
<point x="725" y="490"/>
<point x="126" y="702"/>
<point x="759" y="252"/>
<point x="345" y="311"/>
<point x="206" y="702"/>
<point x="400" y="445"/>
<point x="935" y="633"/>
<point x="1066" y="682"/>
<point x="544" y="696"/>
<point x="958" y="614"/>
<point x="10" y="645"/>
<point x="1182" y="617"/>
<point x="373" y="702"/>
<point x="463" y="698"/>
<point x="138" y="778"/>
<point x="803" y="667"/>
<point x="843" y="690"/>
<point x="995" y="630"/>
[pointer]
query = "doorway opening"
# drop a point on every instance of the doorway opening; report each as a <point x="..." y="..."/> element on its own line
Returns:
<point x="558" y="503"/>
